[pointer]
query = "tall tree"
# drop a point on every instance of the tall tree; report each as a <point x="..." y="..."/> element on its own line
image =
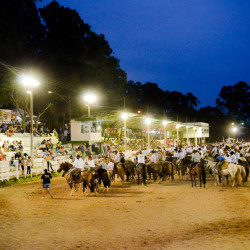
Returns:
<point x="234" y="101"/>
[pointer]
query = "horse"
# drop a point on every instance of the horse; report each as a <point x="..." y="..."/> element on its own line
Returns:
<point x="243" y="162"/>
<point x="232" y="170"/>
<point x="103" y="177"/>
<point x="141" y="169"/>
<point x="211" y="165"/>
<point x="129" y="169"/>
<point x="87" y="178"/>
<point x="198" y="170"/>
<point x="119" y="170"/>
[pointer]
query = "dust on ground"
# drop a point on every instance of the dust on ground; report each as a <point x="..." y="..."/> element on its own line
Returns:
<point x="171" y="215"/>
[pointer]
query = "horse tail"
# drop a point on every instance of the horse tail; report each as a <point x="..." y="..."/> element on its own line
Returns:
<point x="247" y="171"/>
<point x="172" y="170"/>
<point x="203" y="174"/>
<point x="244" y="175"/>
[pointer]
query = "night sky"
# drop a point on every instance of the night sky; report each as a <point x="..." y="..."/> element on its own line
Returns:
<point x="193" y="46"/>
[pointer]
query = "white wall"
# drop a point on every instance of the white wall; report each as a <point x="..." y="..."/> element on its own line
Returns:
<point x="76" y="134"/>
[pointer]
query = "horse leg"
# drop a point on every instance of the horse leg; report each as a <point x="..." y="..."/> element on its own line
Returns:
<point x="127" y="177"/>
<point x="191" y="179"/>
<point x="194" y="181"/>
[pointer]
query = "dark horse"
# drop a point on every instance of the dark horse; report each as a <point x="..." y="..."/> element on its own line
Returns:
<point x="141" y="169"/>
<point x="123" y="169"/>
<point x="87" y="178"/>
<point x="198" y="170"/>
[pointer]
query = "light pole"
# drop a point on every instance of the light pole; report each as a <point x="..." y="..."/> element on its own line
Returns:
<point x="30" y="83"/>
<point x="148" y="121"/>
<point x="195" y="136"/>
<point x="165" y="133"/>
<point x="187" y="127"/>
<point x="177" y="133"/>
<point x="125" y="117"/>
<point x="89" y="99"/>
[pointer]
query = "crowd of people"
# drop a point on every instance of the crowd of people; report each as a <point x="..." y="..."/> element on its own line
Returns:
<point x="222" y="152"/>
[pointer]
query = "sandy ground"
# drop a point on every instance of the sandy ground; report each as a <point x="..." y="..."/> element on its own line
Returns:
<point x="161" y="216"/>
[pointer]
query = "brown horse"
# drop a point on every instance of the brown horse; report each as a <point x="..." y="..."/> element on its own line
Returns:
<point x="87" y="178"/>
<point x="129" y="169"/>
<point x="119" y="170"/>
<point x="141" y="170"/>
<point x="199" y="171"/>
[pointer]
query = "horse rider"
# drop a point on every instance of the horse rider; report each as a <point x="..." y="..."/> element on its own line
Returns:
<point x="102" y="163"/>
<point x="196" y="157"/>
<point x="233" y="157"/>
<point x="222" y="163"/>
<point x="78" y="164"/>
<point x="89" y="163"/>
<point x="181" y="156"/>
<point x="110" y="168"/>
<point x="122" y="159"/>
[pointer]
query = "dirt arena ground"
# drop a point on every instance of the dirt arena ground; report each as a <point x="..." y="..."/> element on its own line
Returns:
<point x="161" y="216"/>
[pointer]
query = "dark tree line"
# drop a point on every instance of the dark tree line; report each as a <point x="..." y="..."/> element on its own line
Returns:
<point x="56" y="42"/>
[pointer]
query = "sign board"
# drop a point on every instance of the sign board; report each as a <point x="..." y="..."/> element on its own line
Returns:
<point x="5" y="115"/>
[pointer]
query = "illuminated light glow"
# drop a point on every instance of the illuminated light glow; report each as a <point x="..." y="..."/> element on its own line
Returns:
<point x="234" y="129"/>
<point x="50" y="92"/>
<point x="148" y="121"/>
<point x="29" y="81"/>
<point x="187" y="126"/>
<point x="124" y="116"/>
<point x="232" y="123"/>
<point x="178" y="125"/>
<point x="165" y="123"/>
<point x="139" y="111"/>
<point x="90" y="98"/>
<point x="99" y="127"/>
<point x="28" y="91"/>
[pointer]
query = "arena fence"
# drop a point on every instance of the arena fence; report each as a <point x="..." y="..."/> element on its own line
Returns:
<point x="8" y="172"/>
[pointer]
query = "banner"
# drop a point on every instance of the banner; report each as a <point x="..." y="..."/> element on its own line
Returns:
<point x="5" y="115"/>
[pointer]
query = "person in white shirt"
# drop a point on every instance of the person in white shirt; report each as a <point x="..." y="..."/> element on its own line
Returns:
<point x="89" y="163"/>
<point x="110" y="168"/>
<point x="141" y="158"/>
<point x="78" y="164"/>
<point x="221" y="151"/>
<point x="233" y="157"/>
<point x="181" y="155"/>
<point x="196" y="157"/>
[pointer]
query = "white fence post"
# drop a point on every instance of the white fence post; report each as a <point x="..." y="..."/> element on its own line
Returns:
<point x="17" y="172"/>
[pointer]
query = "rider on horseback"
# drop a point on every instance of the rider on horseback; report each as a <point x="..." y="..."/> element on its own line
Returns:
<point x="222" y="163"/>
<point x="78" y="164"/>
<point x="196" y="157"/>
<point x="89" y="163"/>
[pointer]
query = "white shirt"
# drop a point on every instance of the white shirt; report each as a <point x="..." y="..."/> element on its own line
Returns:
<point x="221" y="151"/>
<point x="110" y="166"/>
<point x="214" y="150"/>
<point x="233" y="159"/>
<point x="141" y="158"/>
<point x="196" y="157"/>
<point x="181" y="155"/>
<point x="90" y="163"/>
<point x="78" y="163"/>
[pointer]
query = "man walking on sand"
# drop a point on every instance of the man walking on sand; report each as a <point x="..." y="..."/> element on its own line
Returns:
<point x="46" y="182"/>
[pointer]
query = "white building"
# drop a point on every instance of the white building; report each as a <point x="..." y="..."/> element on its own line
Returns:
<point x="80" y="130"/>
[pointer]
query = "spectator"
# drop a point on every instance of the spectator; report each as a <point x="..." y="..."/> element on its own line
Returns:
<point x="29" y="165"/>
<point x="46" y="182"/>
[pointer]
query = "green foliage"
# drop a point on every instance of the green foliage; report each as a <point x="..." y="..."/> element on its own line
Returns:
<point x="234" y="101"/>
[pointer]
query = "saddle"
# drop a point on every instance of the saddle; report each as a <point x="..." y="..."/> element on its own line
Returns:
<point x="224" y="166"/>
